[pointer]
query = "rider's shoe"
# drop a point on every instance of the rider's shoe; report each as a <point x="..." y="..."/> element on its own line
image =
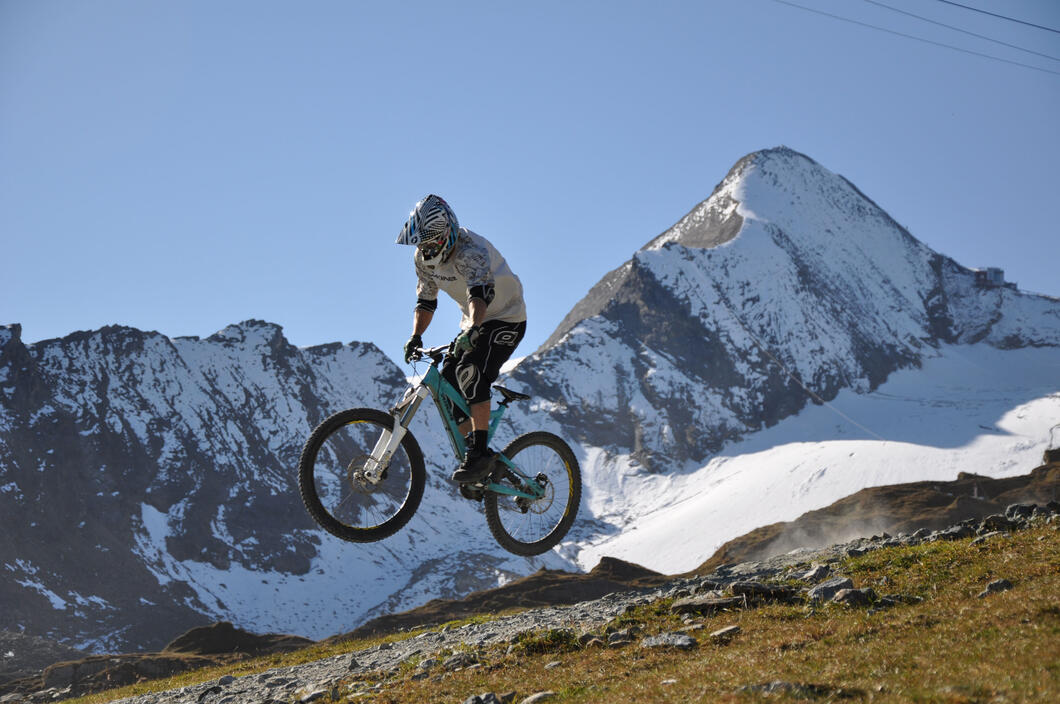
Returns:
<point x="476" y="466"/>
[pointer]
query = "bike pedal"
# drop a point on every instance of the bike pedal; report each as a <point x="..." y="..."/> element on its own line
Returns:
<point x="469" y="491"/>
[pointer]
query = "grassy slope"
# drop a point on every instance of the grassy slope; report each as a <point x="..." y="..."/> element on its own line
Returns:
<point x="952" y="647"/>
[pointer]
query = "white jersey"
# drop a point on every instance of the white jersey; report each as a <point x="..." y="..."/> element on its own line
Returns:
<point x="474" y="262"/>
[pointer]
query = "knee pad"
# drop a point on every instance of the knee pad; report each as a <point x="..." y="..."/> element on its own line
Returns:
<point x="469" y="381"/>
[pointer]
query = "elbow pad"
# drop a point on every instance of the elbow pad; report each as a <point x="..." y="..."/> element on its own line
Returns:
<point x="427" y="304"/>
<point x="484" y="292"/>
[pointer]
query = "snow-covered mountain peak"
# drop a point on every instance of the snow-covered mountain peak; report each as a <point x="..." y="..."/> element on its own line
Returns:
<point x="785" y="189"/>
<point x="784" y="287"/>
<point x="250" y="334"/>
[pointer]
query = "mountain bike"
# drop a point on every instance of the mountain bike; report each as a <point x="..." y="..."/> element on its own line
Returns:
<point x="361" y="473"/>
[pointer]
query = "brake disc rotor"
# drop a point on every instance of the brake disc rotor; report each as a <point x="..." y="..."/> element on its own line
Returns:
<point x="355" y="475"/>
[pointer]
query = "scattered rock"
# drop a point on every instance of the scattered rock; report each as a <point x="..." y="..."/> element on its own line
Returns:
<point x="486" y="698"/>
<point x="816" y="574"/>
<point x="855" y="597"/>
<point x="954" y="533"/>
<point x="539" y="697"/>
<point x="998" y="585"/>
<point x="681" y="641"/>
<point x="724" y="635"/>
<point x="986" y="536"/>
<point x="997" y="522"/>
<point x="309" y="697"/>
<point x="757" y="591"/>
<point x="1020" y="511"/>
<point x="706" y="605"/>
<point x="459" y="661"/>
<point x="826" y="590"/>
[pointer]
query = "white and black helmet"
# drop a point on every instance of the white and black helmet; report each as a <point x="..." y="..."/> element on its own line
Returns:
<point x="432" y="226"/>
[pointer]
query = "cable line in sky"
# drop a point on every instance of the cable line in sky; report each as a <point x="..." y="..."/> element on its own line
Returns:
<point x="964" y="31"/>
<point x="919" y="39"/>
<point x="1004" y="17"/>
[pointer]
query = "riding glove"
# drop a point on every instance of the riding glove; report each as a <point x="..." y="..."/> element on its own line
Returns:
<point x="414" y="343"/>
<point x="467" y="339"/>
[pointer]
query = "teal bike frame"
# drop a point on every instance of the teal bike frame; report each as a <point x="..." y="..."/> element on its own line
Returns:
<point x="434" y="384"/>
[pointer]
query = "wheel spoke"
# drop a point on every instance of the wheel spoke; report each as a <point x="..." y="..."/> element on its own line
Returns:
<point x="336" y="490"/>
<point x="531" y="526"/>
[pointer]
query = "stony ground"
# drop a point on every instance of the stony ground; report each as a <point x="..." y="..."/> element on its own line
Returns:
<point x="433" y="653"/>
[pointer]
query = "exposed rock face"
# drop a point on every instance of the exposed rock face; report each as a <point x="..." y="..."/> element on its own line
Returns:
<point x="146" y="482"/>
<point x="22" y="655"/>
<point x="786" y="276"/>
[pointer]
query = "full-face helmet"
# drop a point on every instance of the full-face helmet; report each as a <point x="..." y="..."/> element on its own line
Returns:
<point x="432" y="226"/>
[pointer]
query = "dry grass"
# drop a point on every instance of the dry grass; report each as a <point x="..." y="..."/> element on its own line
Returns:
<point x="953" y="647"/>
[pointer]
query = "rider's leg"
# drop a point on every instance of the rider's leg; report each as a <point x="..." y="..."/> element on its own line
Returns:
<point x="474" y="373"/>
<point x="480" y="424"/>
<point x="480" y="416"/>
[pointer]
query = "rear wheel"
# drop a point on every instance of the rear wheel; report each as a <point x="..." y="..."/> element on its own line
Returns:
<point x="531" y="527"/>
<point x="336" y="483"/>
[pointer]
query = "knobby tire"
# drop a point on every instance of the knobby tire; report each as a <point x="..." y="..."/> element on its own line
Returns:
<point x="562" y="462"/>
<point x="310" y="461"/>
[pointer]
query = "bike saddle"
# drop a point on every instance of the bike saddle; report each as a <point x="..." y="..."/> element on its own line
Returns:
<point x="510" y="395"/>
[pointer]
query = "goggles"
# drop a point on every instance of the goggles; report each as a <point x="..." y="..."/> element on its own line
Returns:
<point x="433" y="247"/>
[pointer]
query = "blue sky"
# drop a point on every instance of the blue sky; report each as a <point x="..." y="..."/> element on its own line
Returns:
<point x="180" y="166"/>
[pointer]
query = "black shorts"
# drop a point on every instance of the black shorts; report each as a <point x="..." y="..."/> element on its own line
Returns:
<point x="472" y="373"/>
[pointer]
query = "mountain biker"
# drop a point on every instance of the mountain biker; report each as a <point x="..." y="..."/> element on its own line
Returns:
<point x="470" y="269"/>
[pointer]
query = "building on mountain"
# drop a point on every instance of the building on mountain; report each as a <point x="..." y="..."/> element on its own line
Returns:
<point x="992" y="277"/>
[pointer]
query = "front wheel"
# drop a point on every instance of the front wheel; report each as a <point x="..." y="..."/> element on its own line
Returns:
<point x="531" y="527"/>
<point x="335" y="477"/>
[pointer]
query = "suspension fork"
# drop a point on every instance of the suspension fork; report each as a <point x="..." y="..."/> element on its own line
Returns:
<point x="388" y="441"/>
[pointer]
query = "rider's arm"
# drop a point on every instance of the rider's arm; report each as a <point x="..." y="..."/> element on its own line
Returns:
<point x="478" y="300"/>
<point x="473" y="263"/>
<point x="477" y="308"/>
<point x="421" y="318"/>
<point x="426" y="299"/>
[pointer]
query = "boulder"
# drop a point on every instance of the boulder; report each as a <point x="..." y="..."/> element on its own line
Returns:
<point x="827" y="589"/>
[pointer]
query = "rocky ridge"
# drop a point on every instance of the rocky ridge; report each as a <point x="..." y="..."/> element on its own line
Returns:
<point x="900" y="508"/>
<point x="172" y="461"/>
<point x="799" y="577"/>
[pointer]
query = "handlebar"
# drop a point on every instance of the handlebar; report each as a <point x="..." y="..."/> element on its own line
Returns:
<point x="436" y="354"/>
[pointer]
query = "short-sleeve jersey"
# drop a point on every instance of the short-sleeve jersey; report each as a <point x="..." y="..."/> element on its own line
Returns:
<point x="474" y="262"/>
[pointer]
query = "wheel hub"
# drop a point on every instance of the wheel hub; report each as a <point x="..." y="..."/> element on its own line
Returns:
<point x="537" y="505"/>
<point x="355" y="476"/>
